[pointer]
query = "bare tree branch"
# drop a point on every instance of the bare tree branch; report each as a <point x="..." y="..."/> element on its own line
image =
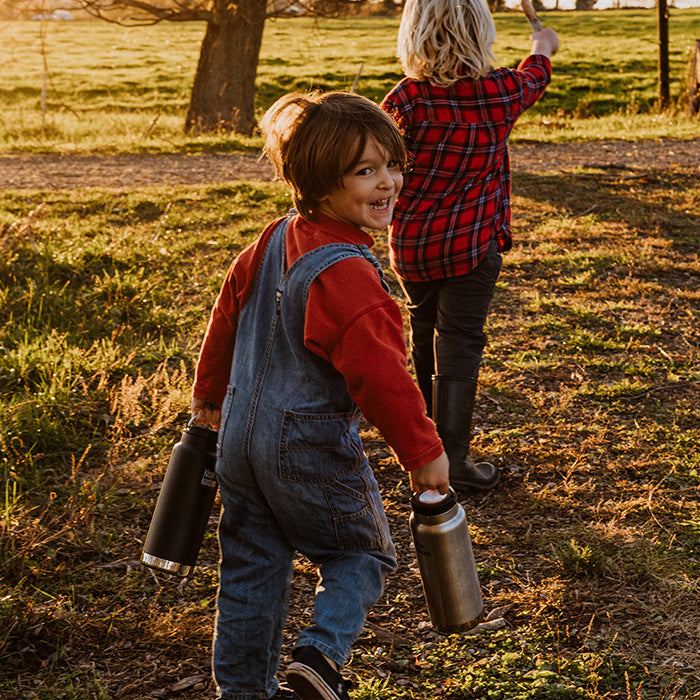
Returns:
<point x="140" y="12"/>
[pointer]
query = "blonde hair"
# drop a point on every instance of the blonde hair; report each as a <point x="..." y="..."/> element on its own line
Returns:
<point x="443" y="41"/>
<point x="314" y="139"/>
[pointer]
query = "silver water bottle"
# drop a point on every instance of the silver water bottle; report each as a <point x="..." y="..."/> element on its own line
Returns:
<point x="446" y="561"/>
<point x="184" y="504"/>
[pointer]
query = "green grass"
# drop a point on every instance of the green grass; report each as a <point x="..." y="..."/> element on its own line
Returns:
<point x="589" y="553"/>
<point x="112" y="88"/>
<point x="85" y="315"/>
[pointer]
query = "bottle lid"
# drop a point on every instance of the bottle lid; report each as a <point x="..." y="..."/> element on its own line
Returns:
<point x="433" y="502"/>
<point x="432" y="497"/>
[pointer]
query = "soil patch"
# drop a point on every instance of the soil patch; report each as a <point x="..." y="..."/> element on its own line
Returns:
<point x="52" y="171"/>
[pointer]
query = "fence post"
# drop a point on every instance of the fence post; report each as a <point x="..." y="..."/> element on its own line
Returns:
<point x="694" y="82"/>
<point x="662" y="31"/>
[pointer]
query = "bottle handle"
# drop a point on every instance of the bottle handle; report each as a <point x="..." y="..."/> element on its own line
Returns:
<point x="191" y="422"/>
<point x="433" y="502"/>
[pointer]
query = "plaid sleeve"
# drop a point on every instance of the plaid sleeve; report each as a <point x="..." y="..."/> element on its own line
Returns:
<point x="533" y="75"/>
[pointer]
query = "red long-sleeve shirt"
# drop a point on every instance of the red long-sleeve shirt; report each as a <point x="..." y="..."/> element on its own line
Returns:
<point x="351" y="322"/>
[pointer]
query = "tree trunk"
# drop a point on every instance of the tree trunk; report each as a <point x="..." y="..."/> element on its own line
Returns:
<point x="223" y="92"/>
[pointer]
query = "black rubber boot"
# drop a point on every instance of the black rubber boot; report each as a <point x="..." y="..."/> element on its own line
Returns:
<point x="453" y="405"/>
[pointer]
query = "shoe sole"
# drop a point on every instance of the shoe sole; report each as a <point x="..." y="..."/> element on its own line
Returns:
<point x="307" y="684"/>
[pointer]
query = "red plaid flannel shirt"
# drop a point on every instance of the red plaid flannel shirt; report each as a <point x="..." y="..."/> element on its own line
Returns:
<point x="457" y="195"/>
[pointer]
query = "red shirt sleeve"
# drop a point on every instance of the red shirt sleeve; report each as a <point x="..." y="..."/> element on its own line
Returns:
<point x="353" y="323"/>
<point x="533" y="74"/>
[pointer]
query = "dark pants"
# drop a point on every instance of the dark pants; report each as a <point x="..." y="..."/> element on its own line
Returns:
<point x="447" y="322"/>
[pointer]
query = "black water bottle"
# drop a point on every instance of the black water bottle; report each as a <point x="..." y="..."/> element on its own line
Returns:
<point x="446" y="561"/>
<point x="184" y="503"/>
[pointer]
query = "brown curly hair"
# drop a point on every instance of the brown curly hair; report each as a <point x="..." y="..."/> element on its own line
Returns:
<point x="314" y="139"/>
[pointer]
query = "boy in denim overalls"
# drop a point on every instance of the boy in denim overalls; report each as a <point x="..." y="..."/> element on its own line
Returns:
<point x="303" y="339"/>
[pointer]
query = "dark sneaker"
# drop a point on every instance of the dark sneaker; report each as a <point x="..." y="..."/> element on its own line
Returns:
<point x="313" y="678"/>
<point x="284" y="693"/>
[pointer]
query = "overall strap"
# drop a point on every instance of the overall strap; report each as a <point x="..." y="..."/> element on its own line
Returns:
<point x="311" y="264"/>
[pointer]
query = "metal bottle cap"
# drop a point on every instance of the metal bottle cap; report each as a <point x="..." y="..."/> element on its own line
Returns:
<point x="433" y="502"/>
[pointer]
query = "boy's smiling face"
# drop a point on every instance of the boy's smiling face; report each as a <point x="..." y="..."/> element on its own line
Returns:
<point x="367" y="194"/>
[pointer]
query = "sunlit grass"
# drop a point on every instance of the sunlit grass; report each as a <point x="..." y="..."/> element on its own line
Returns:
<point x="588" y="402"/>
<point x="117" y="89"/>
<point x="588" y="396"/>
<point x="675" y="123"/>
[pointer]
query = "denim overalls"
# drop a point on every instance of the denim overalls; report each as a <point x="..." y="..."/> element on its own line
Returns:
<point x="293" y="477"/>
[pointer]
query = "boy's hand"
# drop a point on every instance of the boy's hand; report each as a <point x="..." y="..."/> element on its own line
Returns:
<point x="206" y="413"/>
<point x="545" y="42"/>
<point x="433" y="476"/>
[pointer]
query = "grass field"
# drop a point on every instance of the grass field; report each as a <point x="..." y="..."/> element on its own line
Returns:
<point x="588" y="555"/>
<point x="112" y="88"/>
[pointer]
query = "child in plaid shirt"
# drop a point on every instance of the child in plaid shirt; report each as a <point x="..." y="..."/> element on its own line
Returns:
<point x="452" y="218"/>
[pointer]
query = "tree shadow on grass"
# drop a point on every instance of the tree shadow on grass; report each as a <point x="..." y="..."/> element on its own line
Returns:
<point x="650" y="202"/>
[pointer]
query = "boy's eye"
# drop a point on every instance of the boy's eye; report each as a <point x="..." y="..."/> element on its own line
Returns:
<point x="392" y="164"/>
<point x="364" y="171"/>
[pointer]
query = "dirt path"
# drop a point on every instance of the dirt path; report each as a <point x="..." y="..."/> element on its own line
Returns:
<point x="128" y="171"/>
